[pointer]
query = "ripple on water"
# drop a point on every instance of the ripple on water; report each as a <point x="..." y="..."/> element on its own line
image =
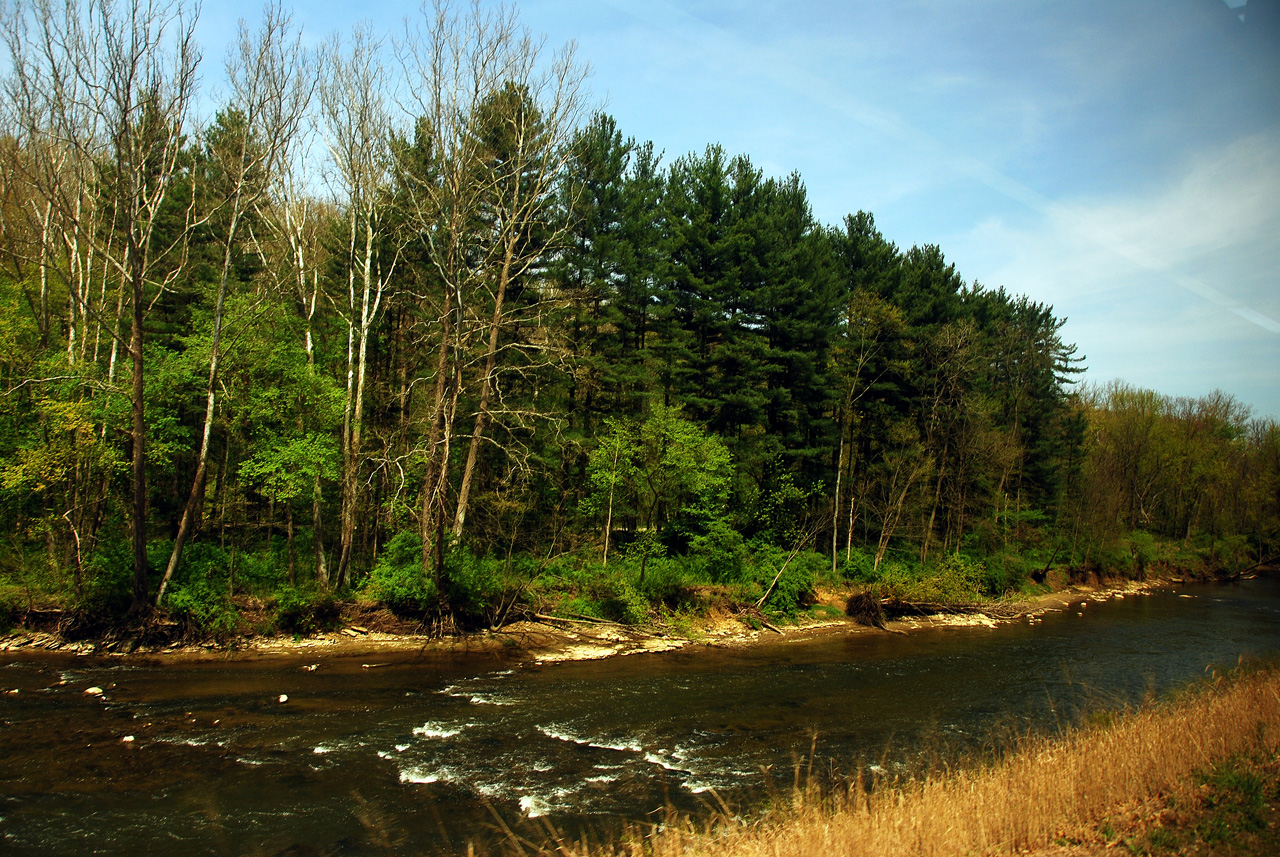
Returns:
<point x="564" y="733"/>
<point x="438" y="729"/>
<point x="476" y="697"/>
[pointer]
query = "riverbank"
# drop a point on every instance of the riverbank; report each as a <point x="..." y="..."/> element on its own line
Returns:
<point x="1194" y="775"/>
<point x="551" y="639"/>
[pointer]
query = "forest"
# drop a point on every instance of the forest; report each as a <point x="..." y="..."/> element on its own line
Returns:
<point x="402" y="319"/>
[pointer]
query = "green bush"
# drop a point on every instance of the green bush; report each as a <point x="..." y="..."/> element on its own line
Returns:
<point x="1108" y="559"/>
<point x="475" y="587"/>
<point x="204" y="607"/>
<point x="625" y="604"/>
<point x="667" y="580"/>
<point x="304" y="610"/>
<point x="398" y="580"/>
<point x="1143" y="548"/>
<point x="953" y="578"/>
<point x="719" y="552"/>
<point x="108" y="590"/>
<point x="615" y="592"/>
<point x="581" y="606"/>
<point x="1231" y="553"/>
<point x="859" y="567"/>
<point x="1003" y="573"/>
<point x="260" y="573"/>
<point x="794" y="588"/>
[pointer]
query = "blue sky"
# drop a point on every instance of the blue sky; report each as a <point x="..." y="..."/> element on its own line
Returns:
<point x="1118" y="160"/>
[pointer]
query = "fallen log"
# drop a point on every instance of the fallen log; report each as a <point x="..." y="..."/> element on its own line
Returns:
<point x="579" y="619"/>
<point x="894" y="607"/>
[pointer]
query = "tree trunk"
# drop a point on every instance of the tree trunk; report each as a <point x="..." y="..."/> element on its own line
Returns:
<point x="835" y="507"/>
<point x="288" y="523"/>
<point x="202" y="459"/>
<point x="138" y="436"/>
<point x="486" y="391"/>
<point x="436" y="476"/>
<point x="933" y="512"/>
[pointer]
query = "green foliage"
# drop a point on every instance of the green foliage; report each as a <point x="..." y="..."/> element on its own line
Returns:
<point x="782" y="512"/>
<point x="615" y="592"/>
<point x="795" y="586"/>
<point x="398" y="579"/>
<point x="664" y="471"/>
<point x="304" y="610"/>
<point x="204" y="607"/>
<point x="259" y="572"/>
<point x="624" y="604"/>
<point x="290" y="467"/>
<point x="667" y="581"/>
<point x="108" y="588"/>
<point x="719" y="552"/>
<point x="859" y="565"/>
<point x="67" y="440"/>
<point x="474" y="586"/>
<point x="1004" y="573"/>
<point x="953" y="578"/>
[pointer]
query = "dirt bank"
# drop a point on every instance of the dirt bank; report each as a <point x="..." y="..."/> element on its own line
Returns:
<point x="552" y="639"/>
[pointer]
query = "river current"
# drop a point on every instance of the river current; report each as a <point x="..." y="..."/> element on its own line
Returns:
<point x="419" y="755"/>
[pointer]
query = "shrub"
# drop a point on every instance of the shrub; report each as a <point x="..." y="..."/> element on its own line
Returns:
<point x="476" y="588"/>
<point x="304" y="610"/>
<point x="260" y="572"/>
<point x="625" y="605"/>
<point x="398" y="580"/>
<point x="108" y="589"/>
<point x="794" y="588"/>
<point x="581" y="606"/>
<point x="204" y="607"/>
<point x="1003" y="572"/>
<point x="719" y="552"/>
<point x="1142" y="545"/>
<point x="954" y="578"/>
<point x="859" y="567"/>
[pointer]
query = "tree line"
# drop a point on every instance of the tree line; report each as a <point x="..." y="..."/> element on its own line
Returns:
<point x="401" y="315"/>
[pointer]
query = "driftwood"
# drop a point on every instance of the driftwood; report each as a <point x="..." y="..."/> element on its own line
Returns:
<point x="897" y="607"/>
<point x="578" y="619"/>
<point x="748" y="615"/>
<point x="1270" y="561"/>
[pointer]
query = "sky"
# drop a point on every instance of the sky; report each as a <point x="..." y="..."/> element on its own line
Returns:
<point x="1119" y="161"/>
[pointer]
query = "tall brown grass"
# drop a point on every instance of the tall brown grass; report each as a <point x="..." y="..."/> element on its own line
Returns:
<point x="1041" y="790"/>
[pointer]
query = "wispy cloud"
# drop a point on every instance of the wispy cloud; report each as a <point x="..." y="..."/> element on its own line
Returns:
<point x="1217" y="211"/>
<point x="1177" y="287"/>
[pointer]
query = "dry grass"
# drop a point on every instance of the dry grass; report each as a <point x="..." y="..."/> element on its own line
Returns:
<point x="1044" y="791"/>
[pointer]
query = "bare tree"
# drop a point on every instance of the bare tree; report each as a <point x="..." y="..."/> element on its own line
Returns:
<point x="270" y="91"/>
<point x="357" y="127"/>
<point x="104" y="92"/>
<point x="495" y="121"/>
<point x="295" y="221"/>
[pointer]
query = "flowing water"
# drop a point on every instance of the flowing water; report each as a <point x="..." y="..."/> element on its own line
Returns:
<point x="418" y="755"/>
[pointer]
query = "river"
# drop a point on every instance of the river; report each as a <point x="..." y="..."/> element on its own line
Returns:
<point x="418" y="755"/>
